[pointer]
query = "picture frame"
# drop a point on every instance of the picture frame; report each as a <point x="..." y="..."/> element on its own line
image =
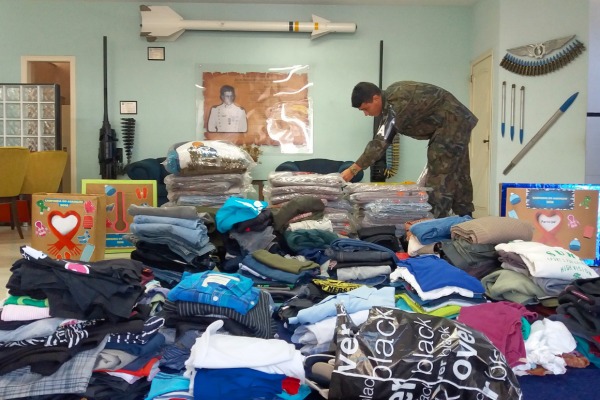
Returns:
<point x="128" y="107"/>
<point x="156" y="53"/>
<point x="276" y="102"/>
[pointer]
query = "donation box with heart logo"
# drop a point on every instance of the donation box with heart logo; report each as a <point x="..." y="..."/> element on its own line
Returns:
<point x="69" y="226"/>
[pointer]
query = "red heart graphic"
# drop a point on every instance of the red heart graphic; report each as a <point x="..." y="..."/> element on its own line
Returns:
<point x="64" y="233"/>
<point x="549" y="222"/>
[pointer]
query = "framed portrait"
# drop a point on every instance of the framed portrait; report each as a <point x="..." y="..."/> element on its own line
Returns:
<point x="563" y="215"/>
<point x="256" y="105"/>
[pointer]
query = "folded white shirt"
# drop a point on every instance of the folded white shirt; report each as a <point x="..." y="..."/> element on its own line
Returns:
<point x="216" y="350"/>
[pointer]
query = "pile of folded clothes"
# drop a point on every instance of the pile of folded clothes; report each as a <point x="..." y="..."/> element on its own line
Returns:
<point x="284" y="186"/>
<point x="207" y="173"/>
<point x="579" y="309"/>
<point x="170" y="240"/>
<point x="388" y="204"/>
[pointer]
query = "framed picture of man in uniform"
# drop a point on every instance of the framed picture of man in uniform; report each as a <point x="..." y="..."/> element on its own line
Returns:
<point x="265" y="108"/>
<point x="227" y="117"/>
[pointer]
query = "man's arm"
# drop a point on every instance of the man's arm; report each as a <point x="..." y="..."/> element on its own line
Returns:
<point x="374" y="150"/>
<point x="351" y="172"/>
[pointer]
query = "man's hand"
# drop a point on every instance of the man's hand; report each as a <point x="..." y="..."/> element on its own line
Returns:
<point x="350" y="172"/>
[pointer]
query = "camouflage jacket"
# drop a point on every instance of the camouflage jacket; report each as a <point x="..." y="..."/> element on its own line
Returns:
<point x="420" y="108"/>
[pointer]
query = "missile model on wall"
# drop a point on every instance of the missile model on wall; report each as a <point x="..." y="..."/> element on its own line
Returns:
<point x="162" y="24"/>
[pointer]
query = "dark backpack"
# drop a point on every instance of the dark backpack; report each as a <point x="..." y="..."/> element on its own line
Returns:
<point x="476" y="259"/>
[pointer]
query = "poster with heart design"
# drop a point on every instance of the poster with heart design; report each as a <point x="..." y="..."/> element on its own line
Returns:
<point x="69" y="226"/>
<point x="564" y="215"/>
<point x="120" y="194"/>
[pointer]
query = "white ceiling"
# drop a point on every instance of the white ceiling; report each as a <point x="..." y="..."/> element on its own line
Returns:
<point x="330" y="2"/>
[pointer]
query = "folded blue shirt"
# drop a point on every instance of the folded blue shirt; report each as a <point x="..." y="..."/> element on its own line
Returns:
<point x="362" y="298"/>
<point x="436" y="230"/>
<point x="218" y="289"/>
<point x="432" y="272"/>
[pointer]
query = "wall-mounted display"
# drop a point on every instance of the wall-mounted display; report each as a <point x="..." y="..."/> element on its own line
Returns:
<point x="563" y="215"/>
<point x="542" y="58"/>
<point x="163" y="24"/>
<point x="256" y="106"/>
<point x="30" y="116"/>
<point x="156" y="53"/>
<point x="128" y="107"/>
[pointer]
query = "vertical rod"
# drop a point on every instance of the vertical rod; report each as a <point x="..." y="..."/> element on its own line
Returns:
<point x="378" y="169"/>
<point x="104" y="54"/>
<point x="381" y="64"/>
<point x="522" y="121"/>
<point x="503" y="124"/>
<point x="512" y="112"/>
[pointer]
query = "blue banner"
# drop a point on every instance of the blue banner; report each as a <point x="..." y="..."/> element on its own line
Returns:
<point x="550" y="199"/>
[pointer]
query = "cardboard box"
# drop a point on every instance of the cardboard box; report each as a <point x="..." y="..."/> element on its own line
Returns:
<point x="69" y="225"/>
<point x="120" y="194"/>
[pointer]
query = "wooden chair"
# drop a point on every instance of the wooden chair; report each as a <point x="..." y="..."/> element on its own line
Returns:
<point x="13" y="165"/>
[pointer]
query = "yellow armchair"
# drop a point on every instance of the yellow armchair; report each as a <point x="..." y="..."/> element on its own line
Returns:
<point x="44" y="171"/>
<point x="13" y="166"/>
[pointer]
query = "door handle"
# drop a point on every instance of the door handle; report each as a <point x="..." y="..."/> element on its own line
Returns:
<point x="486" y="141"/>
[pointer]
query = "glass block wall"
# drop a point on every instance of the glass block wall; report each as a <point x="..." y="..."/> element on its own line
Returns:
<point x="30" y="116"/>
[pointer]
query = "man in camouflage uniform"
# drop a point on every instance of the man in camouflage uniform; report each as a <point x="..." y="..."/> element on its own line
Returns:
<point x="424" y="112"/>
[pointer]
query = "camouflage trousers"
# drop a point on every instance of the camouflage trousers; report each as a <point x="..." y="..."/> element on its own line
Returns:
<point x="449" y="168"/>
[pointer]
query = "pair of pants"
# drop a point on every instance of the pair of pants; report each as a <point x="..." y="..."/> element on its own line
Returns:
<point x="449" y="168"/>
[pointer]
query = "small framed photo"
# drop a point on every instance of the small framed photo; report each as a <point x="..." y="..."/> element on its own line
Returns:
<point x="129" y="107"/>
<point x="156" y="53"/>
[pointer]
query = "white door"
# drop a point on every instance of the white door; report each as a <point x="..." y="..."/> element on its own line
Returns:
<point x="479" y="148"/>
<point x="60" y="70"/>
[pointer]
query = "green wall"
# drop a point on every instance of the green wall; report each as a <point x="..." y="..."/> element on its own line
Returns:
<point x="560" y="155"/>
<point x="431" y="44"/>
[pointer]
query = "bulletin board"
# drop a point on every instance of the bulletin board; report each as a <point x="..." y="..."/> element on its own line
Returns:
<point x="563" y="215"/>
<point x="120" y="194"/>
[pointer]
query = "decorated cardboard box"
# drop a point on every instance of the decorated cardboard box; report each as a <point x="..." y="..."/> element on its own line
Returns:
<point x="120" y="194"/>
<point x="69" y="226"/>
